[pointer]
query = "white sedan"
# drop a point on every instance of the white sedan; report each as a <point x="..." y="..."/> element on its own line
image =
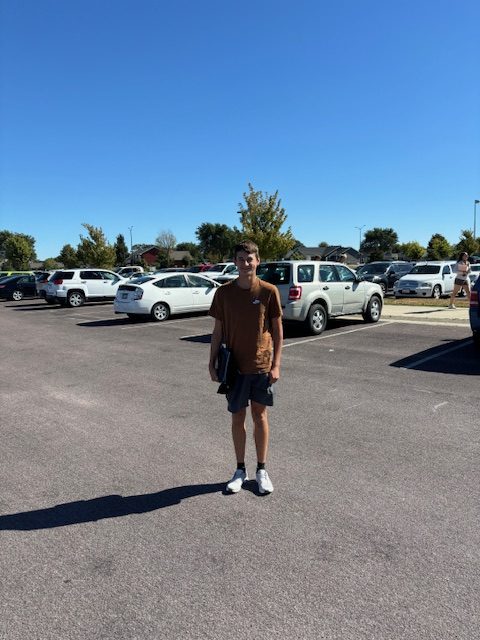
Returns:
<point x="162" y="295"/>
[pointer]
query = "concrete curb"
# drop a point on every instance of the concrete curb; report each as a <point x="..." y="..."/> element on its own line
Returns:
<point x="412" y="313"/>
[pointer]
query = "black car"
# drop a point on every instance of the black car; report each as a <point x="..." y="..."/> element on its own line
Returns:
<point x="385" y="273"/>
<point x="17" y="287"/>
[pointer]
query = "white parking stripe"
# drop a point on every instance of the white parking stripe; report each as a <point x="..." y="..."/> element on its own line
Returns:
<point x="334" y="335"/>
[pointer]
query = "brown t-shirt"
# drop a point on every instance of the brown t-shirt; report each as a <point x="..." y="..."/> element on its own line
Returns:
<point x="245" y="315"/>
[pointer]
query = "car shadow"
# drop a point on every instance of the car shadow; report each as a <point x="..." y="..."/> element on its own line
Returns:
<point x="141" y="319"/>
<point x="461" y="358"/>
<point x="112" y="506"/>
<point x="108" y="322"/>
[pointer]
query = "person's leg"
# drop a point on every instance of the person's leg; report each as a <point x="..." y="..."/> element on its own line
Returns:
<point x="260" y="430"/>
<point x="239" y="434"/>
<point x="456" y="289"/>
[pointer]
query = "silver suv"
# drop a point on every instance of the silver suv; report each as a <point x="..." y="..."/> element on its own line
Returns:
<point x="73" y="287"/>
<point x="312" y="292"/>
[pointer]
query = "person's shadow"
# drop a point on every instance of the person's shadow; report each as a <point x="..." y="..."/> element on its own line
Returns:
<point x="113" y="506"/>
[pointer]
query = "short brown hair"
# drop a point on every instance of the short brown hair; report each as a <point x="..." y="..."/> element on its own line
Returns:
<point x="248" y="246"/>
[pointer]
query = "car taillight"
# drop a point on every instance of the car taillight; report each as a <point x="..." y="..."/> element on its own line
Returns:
<point x="58" y="281"/>
<point x="474" y="299"/>
<point x="138" y="295"/>
<point x="295" y="293"/>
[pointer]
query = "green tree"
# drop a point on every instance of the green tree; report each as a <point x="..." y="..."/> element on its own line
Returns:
<point x="5" y="235"/>
<point x="378" y="241"/>
<point x="49" y="264"/>
<point x="467" y="243"/>
<point x="216" y="241"/>
<point x="166" y="242"/>
<point x="262" y="219"/>
<point x="192" y="248"/>
<point x="121" y="251"/>
<point x="412" y="250"/>
<point x="18" y="251"/>
<point x="68" y="257"/>
<point x="439" y="248"/>
<point x="95" y="251"/>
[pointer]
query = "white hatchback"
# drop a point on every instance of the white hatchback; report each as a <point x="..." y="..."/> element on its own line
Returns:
<point x="165" y="294"/>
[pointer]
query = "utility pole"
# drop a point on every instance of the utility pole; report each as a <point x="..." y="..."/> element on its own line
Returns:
<point x="131" y="245"/>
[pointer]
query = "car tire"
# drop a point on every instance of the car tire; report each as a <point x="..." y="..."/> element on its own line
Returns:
<point x="75" y="299"/>
<point x="437" y="292"/>
<point x="374" y="310"/>
<point x="317" y="319"/>
<point x="17" y="295"/>
<point x="160" y="312"/>
<point x="383" y="287"/>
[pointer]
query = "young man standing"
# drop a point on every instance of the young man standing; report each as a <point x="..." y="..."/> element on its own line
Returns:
<point x="248" y="319"/>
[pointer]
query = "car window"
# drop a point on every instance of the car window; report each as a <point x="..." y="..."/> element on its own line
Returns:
<point x="197" y="281"/>
<point x="328" y="273"/>
<point x="345" y="274"/>
<point x="305" y="273"/>
<point x="106" y="275"/>
<point x="274" y="273"/>
<point x="90" y="275"/>
<point x="446" y="270"/>
<point x="174" y="282"/>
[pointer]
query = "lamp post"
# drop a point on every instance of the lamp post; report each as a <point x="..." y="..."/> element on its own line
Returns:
<point x="131" y="245"/>
<point x="475" y="202"/>
<point x="360" y="238"/>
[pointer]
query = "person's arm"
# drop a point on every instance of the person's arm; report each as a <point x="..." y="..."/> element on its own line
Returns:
<point x="217" y="335"/>
<point x="276" y="329"/>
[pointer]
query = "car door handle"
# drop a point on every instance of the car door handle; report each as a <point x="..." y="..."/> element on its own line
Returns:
<point x="83" y="281"/>
<point x="195" y="293"/>
<point x="325" y="288"/>
<point x="348" y="286"/>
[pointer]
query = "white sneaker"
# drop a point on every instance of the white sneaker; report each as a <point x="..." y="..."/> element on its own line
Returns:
<point x="451" y="306"/>
<point x="264" y="483"/>
<point x="235" y="484"/>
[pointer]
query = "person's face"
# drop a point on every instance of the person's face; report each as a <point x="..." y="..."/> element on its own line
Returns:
<point x="246" y="263"/>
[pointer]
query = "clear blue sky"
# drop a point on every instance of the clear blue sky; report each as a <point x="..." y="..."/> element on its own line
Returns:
<point x="156" y="114"/>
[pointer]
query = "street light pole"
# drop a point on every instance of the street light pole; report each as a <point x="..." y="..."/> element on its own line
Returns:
<point x="360" y="237"/>
<point x="131" y="245"/>
<point x="475" y="202"/>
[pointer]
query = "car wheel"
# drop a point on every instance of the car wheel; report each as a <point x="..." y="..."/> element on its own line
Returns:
<point x="317" y="319"/>
<point x="17" y="295"/>
<point x="383" y="287"/>
<point x="75" y="299"/>
<point x="160" y="312"/>
<point x="437" y="292"/>
<point x="374" y="310"/>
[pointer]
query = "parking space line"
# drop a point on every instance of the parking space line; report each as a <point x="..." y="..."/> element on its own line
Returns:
<point x="437" y="355"/>
<point x="334" y="335"/>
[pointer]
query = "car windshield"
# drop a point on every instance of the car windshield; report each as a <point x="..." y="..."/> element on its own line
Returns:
<point x="426" y="269"/>
<point x="370" y="269"/>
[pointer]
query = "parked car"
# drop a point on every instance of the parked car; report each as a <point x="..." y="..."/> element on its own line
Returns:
<point x="313" y="292"/>
<point x="199" y="268"/>
<point x="385" y="273"/>
<point x="427" y="279"/>
<point x="474" y="312"/>
<point x="41" y="282"/>
<point x="165" y="295"/>
<point x="74" y="287"/>
<point x="232" y="275"/>
<point x="219" y="269"/>
<point x="127" y="272"/>
<point x="15" y="272"/>
<point x="474" y="273"/>
<point x="17" y="287"/>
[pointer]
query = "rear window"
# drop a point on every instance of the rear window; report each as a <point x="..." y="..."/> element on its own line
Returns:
<point x="62" y="275"/>
<point x="275" y="273"/>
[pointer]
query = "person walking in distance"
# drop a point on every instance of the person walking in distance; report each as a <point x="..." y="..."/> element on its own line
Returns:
<point x="248" y="319"/>
<point x="462" y="269"/>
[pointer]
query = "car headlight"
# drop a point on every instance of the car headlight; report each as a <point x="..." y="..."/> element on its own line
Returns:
<point x="426" y="285"/>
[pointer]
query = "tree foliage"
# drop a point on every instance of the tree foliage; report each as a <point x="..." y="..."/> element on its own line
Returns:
<point x="121" y="251"/>
<point x="50" y="264"/>
<point x="18" y="251"/>
<point x="68" y="257"/>
<point x="378" y="241"/>
<point x="467" y="243"/>
<point x="438" y="248"/>
<point x="262" y="218"/>
<point x="192" y="248"/>
<point x="216" y="241"/>
<point x="412" y="250"/>
<point x="166" y="242"/>
<point x="95" y="251"/>
<point x="6" y="235"/>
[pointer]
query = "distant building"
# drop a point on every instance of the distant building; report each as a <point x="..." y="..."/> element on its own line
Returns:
<point x="149" y="255"/>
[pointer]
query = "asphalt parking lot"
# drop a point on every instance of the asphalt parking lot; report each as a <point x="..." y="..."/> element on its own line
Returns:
<point x="115" y="451"/>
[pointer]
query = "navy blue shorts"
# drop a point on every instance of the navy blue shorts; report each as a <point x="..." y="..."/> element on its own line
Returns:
<point x="250" y="386"/>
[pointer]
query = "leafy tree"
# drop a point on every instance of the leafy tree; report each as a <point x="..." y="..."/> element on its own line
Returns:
<point x="323" y="244"/>
<point x="262" y="219"/>
<point x="378" y="241"/>
<point x="68" y="257"/>
<point x="412" y="250"/>
<point x="18" y="251"/>
<point x="438" y="248"/>
<point x="6" y="235"/>
<point x="467" y="243"/>
<point x="95" y="251"/>
<point x="192" y="248"/>
<point x="216" y="240"/>
<point x="166" y="242"/>
<point x="121" y="251"/>
<point x="50" y="264"/>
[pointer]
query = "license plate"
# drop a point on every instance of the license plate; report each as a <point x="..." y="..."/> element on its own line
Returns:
<point x="405" y="291"/>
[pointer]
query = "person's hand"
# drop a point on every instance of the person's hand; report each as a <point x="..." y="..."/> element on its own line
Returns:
<point x="213" y="373"/>
<point x="274" y="374"/>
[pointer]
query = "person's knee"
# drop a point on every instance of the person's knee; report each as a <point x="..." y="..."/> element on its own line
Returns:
<point x="259" y="412"/>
